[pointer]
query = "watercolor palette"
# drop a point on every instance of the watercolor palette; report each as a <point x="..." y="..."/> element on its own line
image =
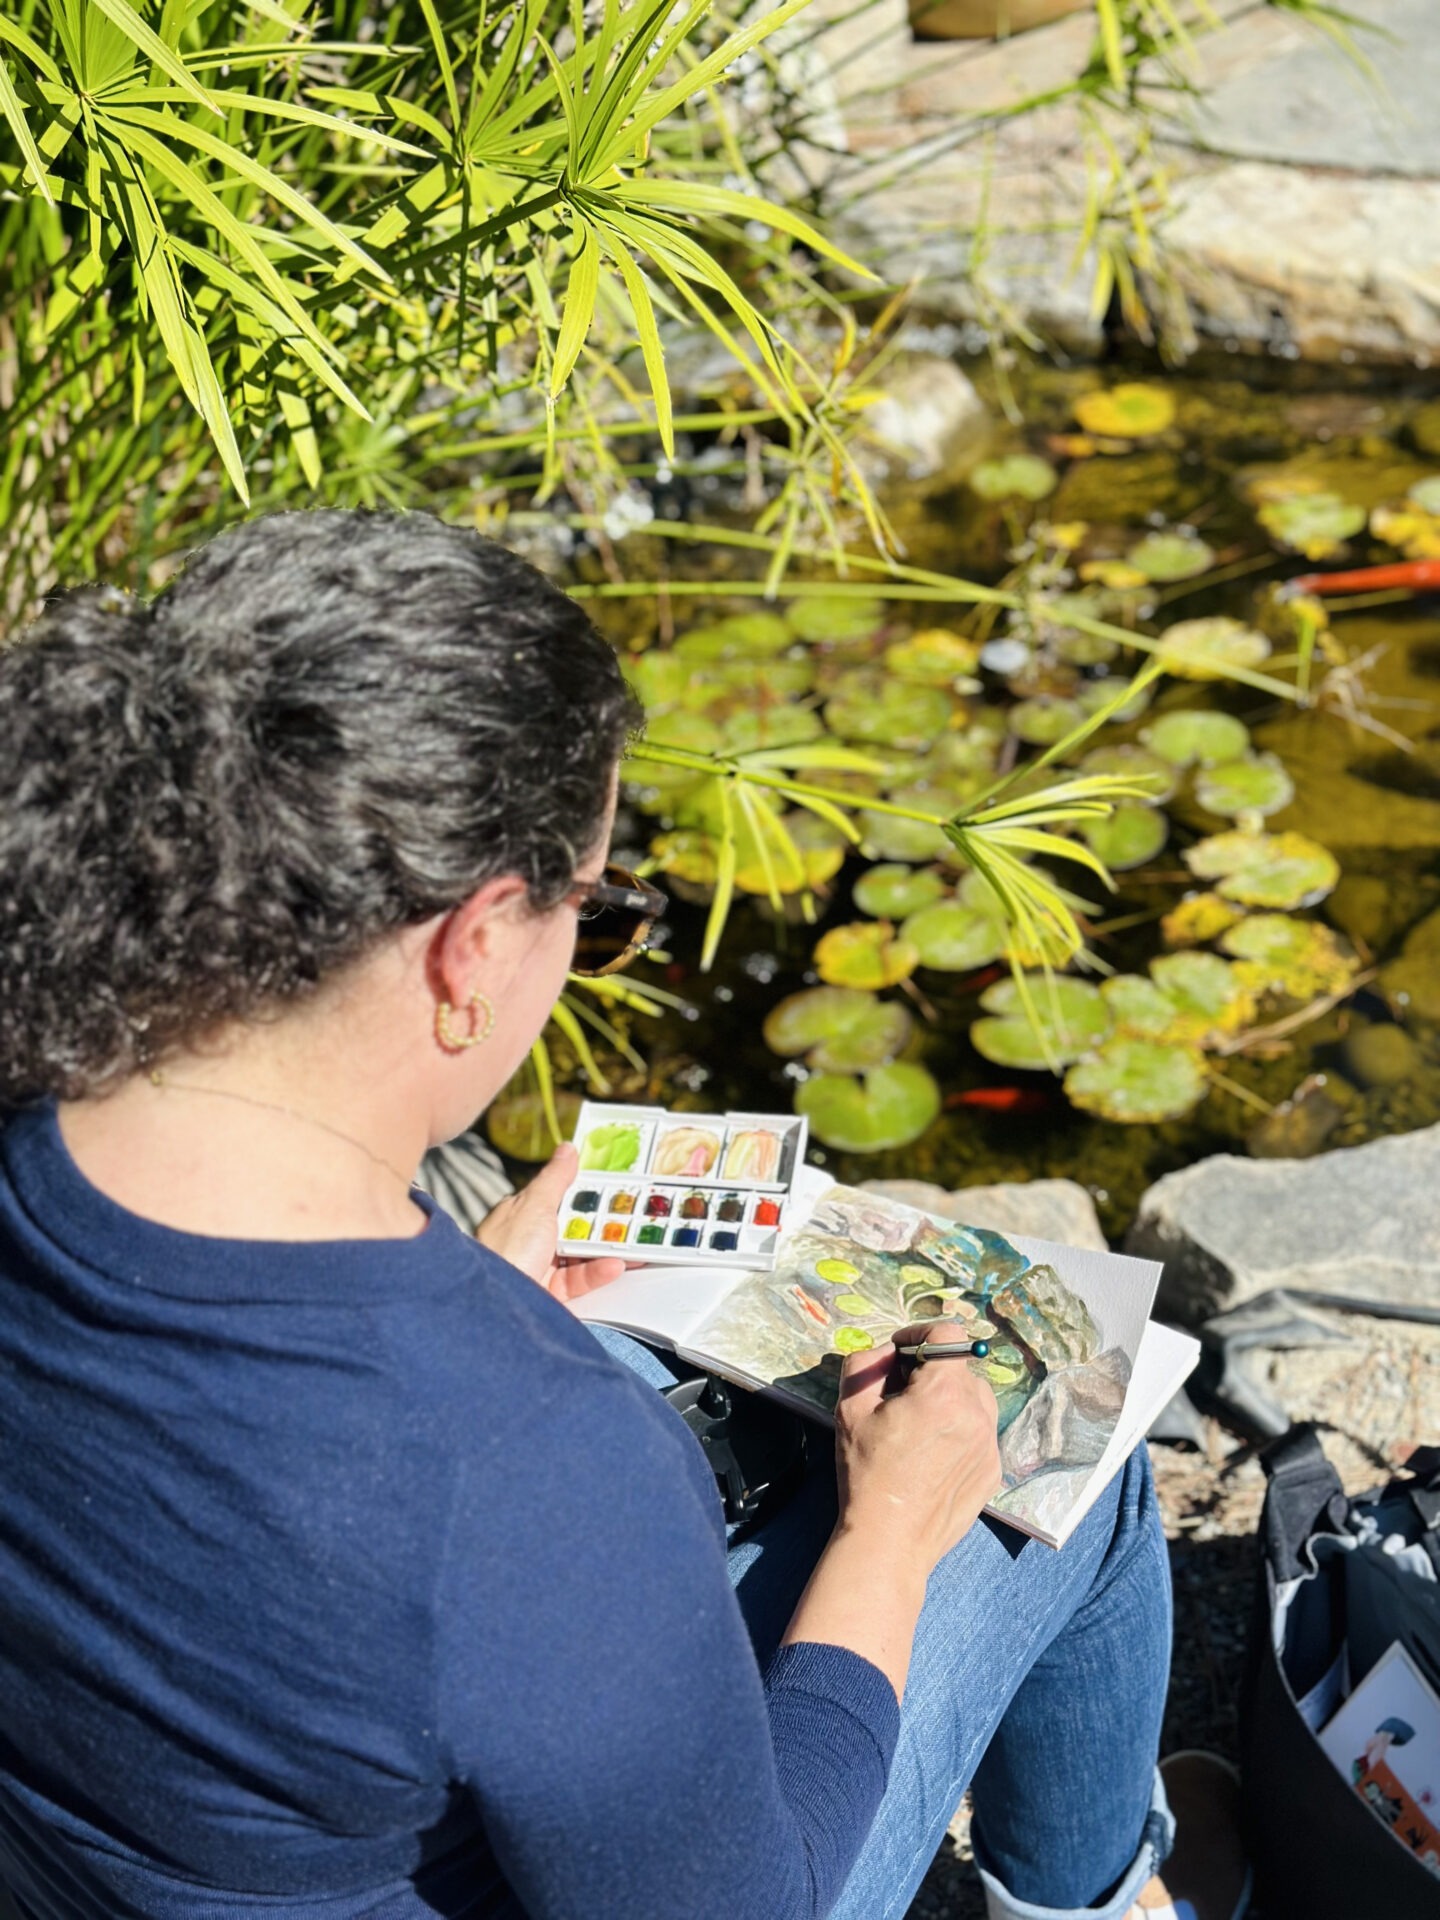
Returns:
<point x="675" y="1189"/>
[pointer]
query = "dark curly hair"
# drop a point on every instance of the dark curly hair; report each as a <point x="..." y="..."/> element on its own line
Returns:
<point x="329" y="725"/>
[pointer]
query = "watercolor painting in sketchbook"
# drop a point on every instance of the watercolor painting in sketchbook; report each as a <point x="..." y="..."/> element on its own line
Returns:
<point x="860" y="1267"/>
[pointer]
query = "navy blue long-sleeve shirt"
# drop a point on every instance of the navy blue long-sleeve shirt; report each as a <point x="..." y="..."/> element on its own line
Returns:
<point x="354" y="1578"/>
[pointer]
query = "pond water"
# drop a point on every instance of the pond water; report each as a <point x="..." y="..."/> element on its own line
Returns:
<point x="1366" y="778"/>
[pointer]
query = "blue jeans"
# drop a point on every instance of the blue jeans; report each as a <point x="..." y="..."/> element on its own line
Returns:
<point x="1038" y="1680"/>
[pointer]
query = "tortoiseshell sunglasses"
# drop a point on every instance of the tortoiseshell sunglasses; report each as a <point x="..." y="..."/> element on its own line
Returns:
<point x="617" y="912"/>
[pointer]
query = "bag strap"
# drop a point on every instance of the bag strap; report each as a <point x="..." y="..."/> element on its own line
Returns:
<point x="1298" y="1500"/>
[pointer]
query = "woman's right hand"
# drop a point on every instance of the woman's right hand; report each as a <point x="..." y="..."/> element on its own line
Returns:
<point x="916" y="1466"/>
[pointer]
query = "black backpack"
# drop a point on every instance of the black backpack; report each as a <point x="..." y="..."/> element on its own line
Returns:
<point x="1319" y="1852"/>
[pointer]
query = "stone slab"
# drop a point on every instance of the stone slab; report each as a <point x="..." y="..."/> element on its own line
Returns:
<point x="1362" y="1221"/>
<point x="1059" y="1210"/>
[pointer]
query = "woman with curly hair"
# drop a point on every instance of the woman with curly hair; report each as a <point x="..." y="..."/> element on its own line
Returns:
<point x="343" y="1571"/>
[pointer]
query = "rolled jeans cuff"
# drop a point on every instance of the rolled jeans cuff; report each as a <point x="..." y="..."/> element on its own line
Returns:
<point x="1156" y="1840"/>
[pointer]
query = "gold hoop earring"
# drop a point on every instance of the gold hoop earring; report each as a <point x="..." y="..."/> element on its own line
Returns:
<point x="483" y="1027"/>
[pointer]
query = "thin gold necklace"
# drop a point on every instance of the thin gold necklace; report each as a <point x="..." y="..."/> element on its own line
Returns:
<point x="158" y="1079"/>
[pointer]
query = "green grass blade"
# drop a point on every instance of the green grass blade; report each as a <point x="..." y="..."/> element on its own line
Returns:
<point x="14" y="112"/>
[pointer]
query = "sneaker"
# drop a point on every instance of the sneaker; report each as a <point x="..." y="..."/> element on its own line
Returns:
<point x="1207" y="1876"/>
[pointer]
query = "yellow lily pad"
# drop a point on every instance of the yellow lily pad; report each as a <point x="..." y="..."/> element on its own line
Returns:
<point x="866" y="954"/>
<point x="1211" y="998"/>
<point x="934" y="657"/>
<point x="1280" y="954"/>
<point x="1198" y="918"/>
<point x="1281" y="870"/>
<point x="1207" y="649"/>
<point x="1414" y="529"/>
<point x="1135" y="410"/>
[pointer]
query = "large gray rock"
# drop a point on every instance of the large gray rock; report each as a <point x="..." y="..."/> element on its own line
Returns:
<point x="1363" y="1221"/>
<point x="1059" y="1210"/>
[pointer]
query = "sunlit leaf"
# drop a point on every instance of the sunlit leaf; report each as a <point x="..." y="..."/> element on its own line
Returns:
<point x="1135" y="410"/>
<point x="1138" y="1081"/>
<point x="865" y="954"/>
<point x="887" y="1107"/>
<point x="1265" y="869"/>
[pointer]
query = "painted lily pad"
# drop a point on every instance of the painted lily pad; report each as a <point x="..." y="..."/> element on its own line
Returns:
<point x="1170" y="555"/>
<point x="1132" y="411"/>
<point x="870" y="706"/>
<point x="1198" y="918"/>
<point x="1211" y="998"/>
<point x="1129" y="836"/>
<point x="1138" y="1006"/>
<point x="1069" y="1019"/>
<point x="1044" y="720"/>
<point x="1015" y="476"/>
<point x="1131" y="763"/>
<point x="1281" y="870"/>
<point x="1300" y="958"/>
<point x="890" y="891"/>
<point x="839" y="1029"/>
<point x="1315" y="524"/>
<point x="864" y="954"/>
<point x="836" y="616"/>
<point x="1256" y="783"/>
<point x="951" y="937"/>
<point x="886" y="1107"/>
<point x="518" y="1128"/>
<point x="1137" y="1080"/>
<point x="1190" y="734"/>
<point x="934" y="657"/>
<point x="1207" y="649"/>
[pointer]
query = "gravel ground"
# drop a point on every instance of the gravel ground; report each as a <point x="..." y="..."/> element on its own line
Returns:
<point x="1375" y="1397"/>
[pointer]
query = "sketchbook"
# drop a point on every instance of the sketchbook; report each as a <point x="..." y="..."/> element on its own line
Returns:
<point x="1079" y="1369"/>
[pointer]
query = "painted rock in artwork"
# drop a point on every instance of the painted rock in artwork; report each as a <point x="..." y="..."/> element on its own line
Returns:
<point x="1069" y="1419"/>
<point x="1052" y="1321"/>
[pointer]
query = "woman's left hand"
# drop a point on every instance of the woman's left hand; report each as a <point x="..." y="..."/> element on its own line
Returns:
<point x="525" y="1230"/>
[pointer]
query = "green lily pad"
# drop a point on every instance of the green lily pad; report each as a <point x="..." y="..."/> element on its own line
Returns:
<point x="751" y="728"/>
<point x="1315" y="524"/>
<point x="1069" y="1019"/>
<point x="1208" y="649"/>
<point x="1099" y="693"/>
<point x="658" y="677"/>
<point x="1425" y="494"/>
<point x="933" y="658"/>
<point x="1015" y="476"/>
<point x="840" y="1029"/>
<point x="1190" y="734"/>
<point x="1171" y="556"/>
<point x="951" y="937"/>
<point x="870" y="706"/>
<point x="1281" y="954"/>
<point x="837" y="616"/>
<point x="890" y="891"/>
<point x="1211" y="998"/>
<point x="1044" y="720"/>
<point x="689" y="730"/>
<point x="1137" y="1006"/>
<point x="1257" y="783"/>
<point x="687" y="854"/>
<point x="743" y="636"/>
<point x="1128" y="837"/>
<point x="518" y="1128"/>
<point x="1135" y="763"/>
<point x="1138" y="1081"/>
<point x="864" y="954"/>
<point x="1265" y="869"/>
<point x="890" y="836"/>
<point x="887" y="1107"/>
<point x="1134" y="410"/>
